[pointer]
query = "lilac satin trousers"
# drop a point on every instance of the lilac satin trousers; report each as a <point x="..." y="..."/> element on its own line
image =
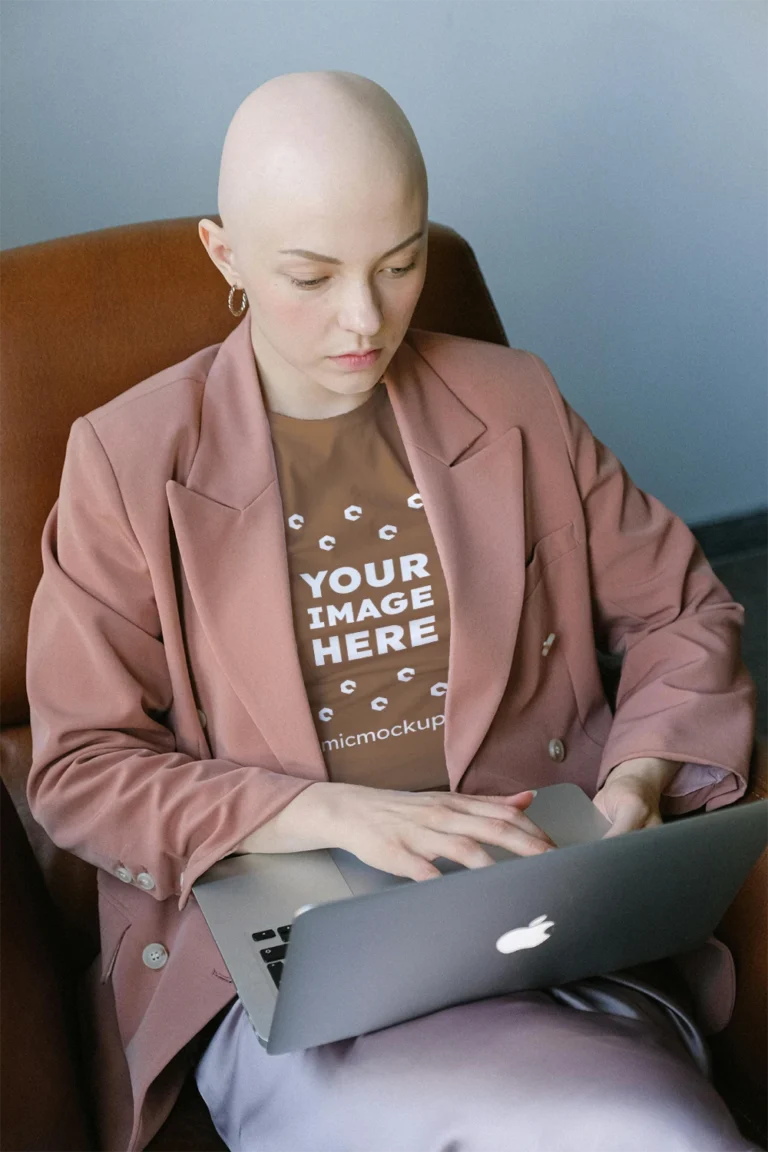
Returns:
<point x="611" y="1064"/>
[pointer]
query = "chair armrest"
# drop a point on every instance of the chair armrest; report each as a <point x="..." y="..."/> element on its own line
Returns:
<point x="739" y="1051"/>
<point x="41" y="1100"/>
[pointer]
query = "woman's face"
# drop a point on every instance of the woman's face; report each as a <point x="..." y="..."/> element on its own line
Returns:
<point x="355" y="293"/>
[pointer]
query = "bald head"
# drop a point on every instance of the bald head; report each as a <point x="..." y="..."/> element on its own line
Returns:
<point x="314" y="142"/>
<point x="323" y="203"/>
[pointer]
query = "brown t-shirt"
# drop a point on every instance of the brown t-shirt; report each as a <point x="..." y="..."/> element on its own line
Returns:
<point x="370" y="604"/>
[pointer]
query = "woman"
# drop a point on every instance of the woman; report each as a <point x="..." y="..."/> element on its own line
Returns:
<point x="257" y="566"/>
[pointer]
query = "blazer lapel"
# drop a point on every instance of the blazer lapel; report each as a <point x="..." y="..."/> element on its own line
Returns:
<point x="229" y="524"/>
<point x="474" y="506"/>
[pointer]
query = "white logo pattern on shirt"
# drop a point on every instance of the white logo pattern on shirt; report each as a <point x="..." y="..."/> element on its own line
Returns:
<point x="387" y="532"/>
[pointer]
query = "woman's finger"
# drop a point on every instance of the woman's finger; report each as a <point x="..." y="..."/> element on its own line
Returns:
<point x="630" y="814"/>
<point x="461" y="848"/>
<point x="413" y="865"/>
<point x="519" y="799"/>
<point x="499" y="831"/>
<point x="479" y="806"/>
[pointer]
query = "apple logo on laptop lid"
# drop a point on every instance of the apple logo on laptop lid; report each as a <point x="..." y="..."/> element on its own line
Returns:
<point x="528" y="937"/>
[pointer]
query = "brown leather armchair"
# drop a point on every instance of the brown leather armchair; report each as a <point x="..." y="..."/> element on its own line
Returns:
<point x="82" y="319"/>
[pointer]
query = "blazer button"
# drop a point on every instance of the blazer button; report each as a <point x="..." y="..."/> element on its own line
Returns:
<point x="548" y="644"/>
<point x="124" y="874"/>
<point x="557" y="750"/>
<point x="145" y="880"/>
<point x="154" y="956"/>
<point x="202" y="718"/>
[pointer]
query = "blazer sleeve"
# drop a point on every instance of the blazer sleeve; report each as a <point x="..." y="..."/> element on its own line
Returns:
<point x="684" y="693"/>
<point x="106" y="781"/>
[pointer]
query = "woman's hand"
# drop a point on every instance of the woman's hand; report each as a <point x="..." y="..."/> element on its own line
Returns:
<point x="631" y="794"/>
<point x="400" y="832"/>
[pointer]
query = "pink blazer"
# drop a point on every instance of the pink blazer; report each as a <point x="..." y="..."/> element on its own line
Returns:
<point x="168" y="710"/>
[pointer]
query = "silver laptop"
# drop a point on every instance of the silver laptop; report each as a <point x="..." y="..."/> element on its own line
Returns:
<point x="322" y="947"/>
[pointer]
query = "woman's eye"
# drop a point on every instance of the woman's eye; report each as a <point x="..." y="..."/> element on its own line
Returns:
<point x="306" y="283"/>
<point x="309" y="284"/>
<point x="402" y="271"/>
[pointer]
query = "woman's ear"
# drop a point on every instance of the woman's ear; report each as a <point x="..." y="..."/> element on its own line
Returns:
<point x="214" y="240"/>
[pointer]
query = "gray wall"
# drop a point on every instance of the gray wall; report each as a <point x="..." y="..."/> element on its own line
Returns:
<point x="608" y="162"/>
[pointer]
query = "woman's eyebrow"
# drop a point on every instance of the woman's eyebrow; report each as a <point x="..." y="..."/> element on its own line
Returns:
<point x="332" y="259"/>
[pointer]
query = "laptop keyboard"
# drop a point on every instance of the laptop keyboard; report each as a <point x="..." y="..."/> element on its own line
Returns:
<point x="273" y="955"/>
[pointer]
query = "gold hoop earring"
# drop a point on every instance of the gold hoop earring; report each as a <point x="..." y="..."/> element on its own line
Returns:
<point x="244" y="303"/>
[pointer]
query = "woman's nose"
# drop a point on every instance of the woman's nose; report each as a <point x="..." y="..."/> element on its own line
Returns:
<point x="361" y="312"/>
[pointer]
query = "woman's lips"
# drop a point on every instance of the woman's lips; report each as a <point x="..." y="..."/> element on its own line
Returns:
<point x="357" y="362"/>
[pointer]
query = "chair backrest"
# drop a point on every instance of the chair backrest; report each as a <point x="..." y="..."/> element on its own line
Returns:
<point x="82" y="319"/>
